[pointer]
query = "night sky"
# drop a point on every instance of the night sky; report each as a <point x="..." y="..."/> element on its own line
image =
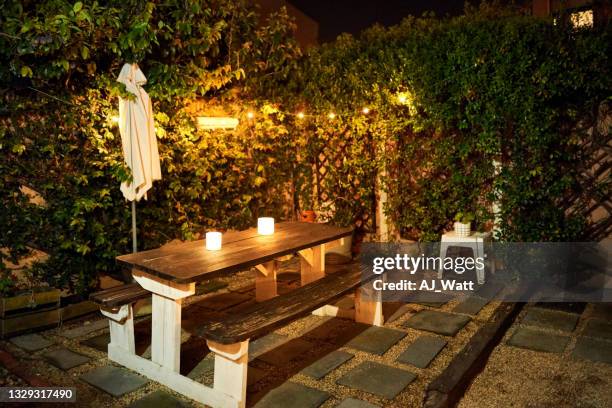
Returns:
<point x="352" y="16"/>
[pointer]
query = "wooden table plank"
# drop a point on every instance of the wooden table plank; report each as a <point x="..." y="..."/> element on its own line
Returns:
<point x="191" y="262"/>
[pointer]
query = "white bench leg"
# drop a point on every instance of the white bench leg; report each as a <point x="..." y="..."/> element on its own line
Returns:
<point x="368" y="305"/>
<point x="443" y="249"/>
<point x="121" y="324"/>
<point x="230" y="374"/>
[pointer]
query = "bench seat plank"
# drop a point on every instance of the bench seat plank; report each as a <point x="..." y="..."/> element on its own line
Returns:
<point x="266" y="316"/>
<point x="119" y="295"/>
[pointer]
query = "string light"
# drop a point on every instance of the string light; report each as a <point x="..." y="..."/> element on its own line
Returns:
<point x="331" y="115"/>
<point x="300" y="115"/>
<point x="365" y="110"/>
<point x="250" y="115"/>
<point x="115" y="119"/>
<point x="402" y="98"/>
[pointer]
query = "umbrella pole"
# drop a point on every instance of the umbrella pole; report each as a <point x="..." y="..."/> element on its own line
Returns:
<point x="134" y="243"/>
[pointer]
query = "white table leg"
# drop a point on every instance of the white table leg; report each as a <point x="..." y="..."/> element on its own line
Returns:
<point x="166" y="318"/>
<point x="231" y="364"/>
<point x="312" y="264"/>
<point x="121" y="325"/>
<point x="265" y="281"/>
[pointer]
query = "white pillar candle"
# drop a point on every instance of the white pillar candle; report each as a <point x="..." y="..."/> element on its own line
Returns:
<point x="265" y="226"/>
<point x="213" y="241"/>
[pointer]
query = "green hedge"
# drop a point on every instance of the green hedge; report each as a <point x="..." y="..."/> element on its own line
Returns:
<point x="489" y="86"/>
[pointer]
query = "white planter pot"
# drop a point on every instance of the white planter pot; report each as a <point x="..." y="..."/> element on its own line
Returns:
<point x="463" y="230"/>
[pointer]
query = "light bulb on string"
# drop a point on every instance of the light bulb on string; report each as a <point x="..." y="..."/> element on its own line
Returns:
<point x="365" y="110"/>
<point x="300" y="115"/>
<point x="331" y="115"/>
<point x="250" y="115"/>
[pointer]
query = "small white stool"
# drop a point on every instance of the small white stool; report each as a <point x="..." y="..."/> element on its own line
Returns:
<point x="475" y="241"/>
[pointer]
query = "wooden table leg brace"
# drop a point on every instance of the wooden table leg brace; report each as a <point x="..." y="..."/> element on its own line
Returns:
<point x="368" y="304"/>
<point x="265" y="281"/>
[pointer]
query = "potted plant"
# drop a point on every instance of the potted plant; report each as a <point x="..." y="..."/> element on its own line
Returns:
<point x="463" y="223"/>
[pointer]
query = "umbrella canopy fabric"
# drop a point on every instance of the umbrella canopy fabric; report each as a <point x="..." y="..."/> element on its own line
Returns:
<point x="137" y="135"/>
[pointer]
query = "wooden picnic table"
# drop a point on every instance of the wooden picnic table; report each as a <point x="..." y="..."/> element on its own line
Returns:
<point x="170" y="274"/>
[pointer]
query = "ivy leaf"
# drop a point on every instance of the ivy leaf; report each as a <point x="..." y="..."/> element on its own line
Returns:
<point x="26" y="71"/>
<point x="77" y="7"/>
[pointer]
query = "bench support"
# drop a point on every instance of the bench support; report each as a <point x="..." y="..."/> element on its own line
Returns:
<point x="166" y="324"/>
<point x="121" y="325"/>
<point x="230" y="373"/>
<point x="312" y="264"/>
<point x="368" y="305"/>
<point x="265" y="281"/>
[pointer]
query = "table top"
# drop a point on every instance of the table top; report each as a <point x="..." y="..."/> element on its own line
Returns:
<point x="191" y="262"/>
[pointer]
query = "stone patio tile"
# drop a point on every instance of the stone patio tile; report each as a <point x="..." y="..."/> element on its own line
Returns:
<point x="377" y="379"/>
<point x="326" y="364"/>
<point x="159" y="399"/>
<point x="65" y="359"/>
<point x="287" y="352"/>
<point x="355" y="403"/>
<point x="99" y="342"/>
<point x="401" y="311"/>
<point x="472" y="305"/>
<point x="447" y="324"/>
<point x="567" y="307"/>
<point x="223" y="301"/>
<point x="538" y="340"/>
<point x="85" y="329"/>
<point x="113" y="380"/>
<point x="210" y="286"/>
<point x="602" y="311"/>
<point x="293" y="395"/>
<point x="266" y="343"/>
<point x="31" y="342"/>
<point x="549" y="319"/>
<point x="422" y="351"/>
<point x="598" y="328"/>
<point x="376" y="340"/>
<point x="593" y="349"/>
<point x="204" y="367"/>
<point x="489" y="290"/>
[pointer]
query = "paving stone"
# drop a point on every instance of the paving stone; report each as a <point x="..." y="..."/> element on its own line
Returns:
<point x="602" y="311"/>
<point x="223" y="301"/>
<point x="489" y="290"/>
<point x="266" y="343"/>
<point x="422" y="351"/>
<point x="593" y="349"/>
<point x="245" y="289"/>
<point x="401" y="311"/>
<point x="598" y="328"/>
<point x="209" y="287"/>
<point x="355" y="403"/>
<point x="567" y="307"/>
<point x="472" y="305"/>
<point x="85" y="329"/>
<point x="203" y="368"/>
<point x="538" y="340"/>
<point x="326" y="364"/>
<point x="447" y="324"/>
<point x="376" y="340"/>
<point x="113" y="380"/>
<point x="99" y="342"/>
<point x="293" y="395"/>
<point x="377" y="379"/>
<point x="31" y="342"/>
<point x="65" y="359"/>
<point x="291" y="350"/>
<point x="159" y="399"/>
<point x="549" y="319"/>
<point x="336" y="331"/>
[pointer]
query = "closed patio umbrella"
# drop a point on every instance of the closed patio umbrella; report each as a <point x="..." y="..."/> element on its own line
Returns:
<point x="138" y="139"/>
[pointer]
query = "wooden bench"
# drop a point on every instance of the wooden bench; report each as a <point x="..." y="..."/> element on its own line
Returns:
<point x="117" y="304"/>
<point x="229" y="337"/>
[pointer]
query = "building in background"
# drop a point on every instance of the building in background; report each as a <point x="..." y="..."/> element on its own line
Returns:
<point x="307" y="33"/>
<point x="580" y="13"/>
